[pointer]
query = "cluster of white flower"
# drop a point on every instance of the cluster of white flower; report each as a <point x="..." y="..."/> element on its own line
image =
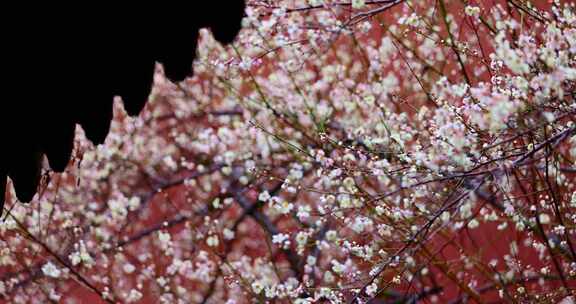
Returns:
<point x="341" y="151"/>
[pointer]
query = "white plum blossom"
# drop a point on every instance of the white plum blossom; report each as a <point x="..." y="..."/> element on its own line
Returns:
<point x="81" y="255"/>
<point x="282" y="239"/>
<point x="357" y="4"/>
<point x="472" y="11"/>
<point x="50" y="270"/>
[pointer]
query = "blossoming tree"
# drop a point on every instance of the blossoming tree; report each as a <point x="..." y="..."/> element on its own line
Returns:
<point x="372" y="151"/>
